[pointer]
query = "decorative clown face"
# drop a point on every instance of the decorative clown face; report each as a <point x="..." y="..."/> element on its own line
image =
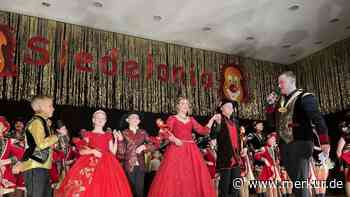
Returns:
<point x="232" y="86"/>
<point x="3" y="41"/>
<point x="7" y="51"/>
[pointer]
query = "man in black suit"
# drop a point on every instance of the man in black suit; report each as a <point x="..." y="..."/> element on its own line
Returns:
<point x="226" y="131"/>
<point x="294" y="117"/>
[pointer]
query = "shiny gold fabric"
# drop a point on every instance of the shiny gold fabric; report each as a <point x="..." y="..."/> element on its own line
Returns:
<point x="325" y="74"/>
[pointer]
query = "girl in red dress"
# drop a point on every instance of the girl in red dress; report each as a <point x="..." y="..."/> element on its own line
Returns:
<point x="209" y="155"/>
<point x="97" y="172"/>
<point x="343" y="153"/>
<point x="210" y="159"/>
<point x="183" y="171"/>
<point x="270" y="171"/>
<point x="9" y="155"/>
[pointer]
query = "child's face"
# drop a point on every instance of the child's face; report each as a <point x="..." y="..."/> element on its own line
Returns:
<point x="259" y="126"/>
<point x="134" y="120"/>
<point x="19" y="126"/>
<point x="159" y="122"/>
<point x="183" y="106"/>
<point x="47" y="108"/>
<point x="62" y="130"/>
<point x="271" y="141"/>
<point x="227" y="109"/>
<point x="99" y="120"/>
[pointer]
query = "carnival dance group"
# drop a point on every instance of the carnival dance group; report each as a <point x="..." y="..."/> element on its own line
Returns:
<point x="45" y="162"/>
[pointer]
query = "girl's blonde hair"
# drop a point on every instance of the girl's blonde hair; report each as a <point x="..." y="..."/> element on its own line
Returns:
<point x="38" y="100"/>
<point x="99" y="112"/>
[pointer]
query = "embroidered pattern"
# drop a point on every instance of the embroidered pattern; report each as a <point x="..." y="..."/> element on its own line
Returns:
<point x="78" y="185"/>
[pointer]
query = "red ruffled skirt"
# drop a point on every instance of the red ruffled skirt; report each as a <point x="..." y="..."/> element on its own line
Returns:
<point x="184" y="173"/>
<point x="95" y="177"/>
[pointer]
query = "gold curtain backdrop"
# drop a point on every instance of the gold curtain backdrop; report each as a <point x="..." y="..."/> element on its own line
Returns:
<point x="95" y="89"/>
<point x="327" y="74"/>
